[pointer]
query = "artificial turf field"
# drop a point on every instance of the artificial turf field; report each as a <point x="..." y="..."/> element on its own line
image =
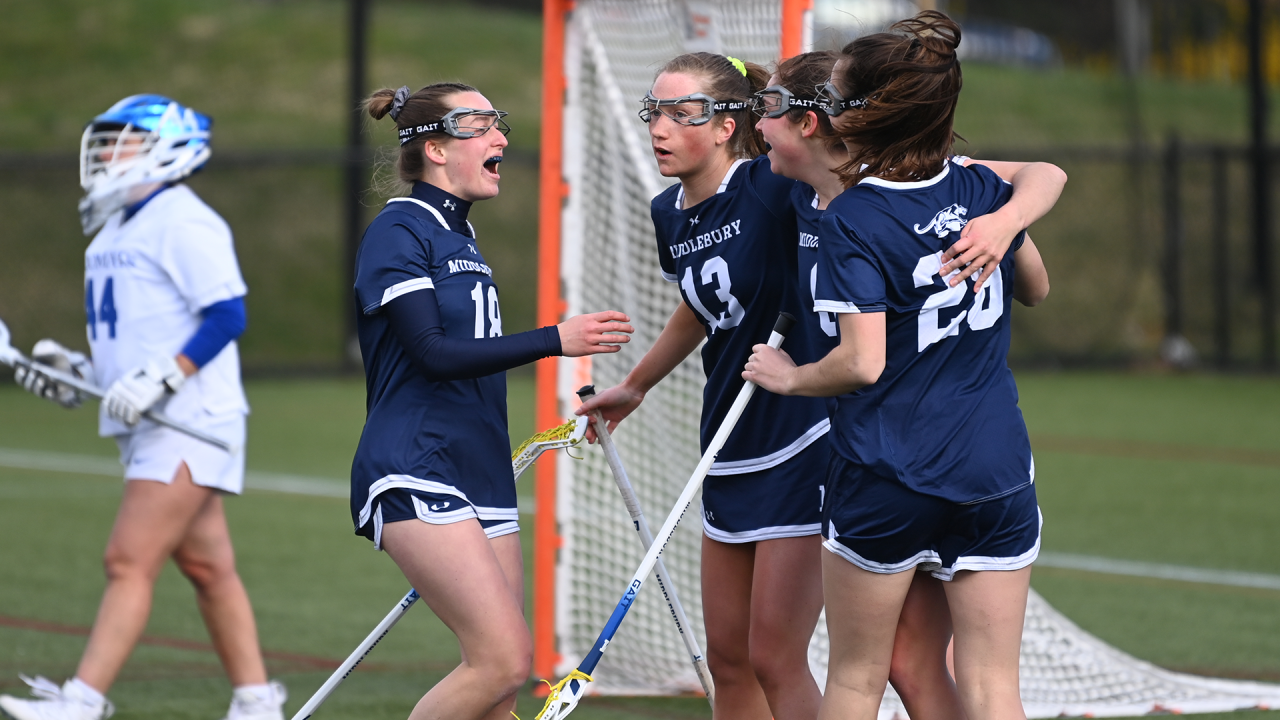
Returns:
<point x="1179" y="470"/>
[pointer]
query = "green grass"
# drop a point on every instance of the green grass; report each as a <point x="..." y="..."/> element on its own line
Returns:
<point x="1161" y="468"/>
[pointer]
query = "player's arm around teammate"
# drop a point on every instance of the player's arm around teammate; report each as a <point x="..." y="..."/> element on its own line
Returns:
<point x="164" y="299"/>
<point x="803" y="146"/>
<point x="726" y="235"/>
<point x="431" y="482"/>
<point x="882" y="273"/>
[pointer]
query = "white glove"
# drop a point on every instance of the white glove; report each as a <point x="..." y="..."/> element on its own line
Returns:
<point x="49" y="352"/>
<point x="140" y="388"/>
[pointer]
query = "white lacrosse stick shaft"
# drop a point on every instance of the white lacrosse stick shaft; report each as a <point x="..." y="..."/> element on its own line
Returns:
<point x="665" y="583"/>
<point x="12" y="357"/>
<point x="356" y="657"/>
<point x="561" y="705"/>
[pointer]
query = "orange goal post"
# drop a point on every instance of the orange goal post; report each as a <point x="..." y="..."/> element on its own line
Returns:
<point x="758" y="30"/>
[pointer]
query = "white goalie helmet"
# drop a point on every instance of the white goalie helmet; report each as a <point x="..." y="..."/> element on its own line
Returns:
<point x="140" y="140"/>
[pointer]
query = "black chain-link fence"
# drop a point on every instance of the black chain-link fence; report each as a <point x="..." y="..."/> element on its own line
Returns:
<point x="1132" y="263"/>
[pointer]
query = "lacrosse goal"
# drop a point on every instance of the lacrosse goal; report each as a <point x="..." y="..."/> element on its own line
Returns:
<point x="597" y="251"/>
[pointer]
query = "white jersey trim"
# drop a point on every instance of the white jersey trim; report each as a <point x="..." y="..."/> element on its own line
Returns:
<point x="432" y="210"/>
<point x="724" y="184"/>
<point x="392" y="482"/>
<point x="978" y="562"/>
<point x="929" y="557"/>
<point x="406" y="287"/>
<point x="503" y="529"/>
<point x="769" y="533"/>
<point x="920" y="558"/>
<point x="946" y="168"/>
<point x="739" y="467"/>
<point x="669" y="277"/>
<point x="835" y="306"/>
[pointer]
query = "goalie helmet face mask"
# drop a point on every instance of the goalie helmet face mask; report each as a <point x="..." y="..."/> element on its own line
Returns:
<point x="142" y="139"/>
<point x="694" y="109"/>
<point x="461" y="122"/>
<point x="775" y="100"/>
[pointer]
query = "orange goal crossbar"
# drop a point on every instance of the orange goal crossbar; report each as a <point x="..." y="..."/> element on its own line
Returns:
<point x="552" y="191"/>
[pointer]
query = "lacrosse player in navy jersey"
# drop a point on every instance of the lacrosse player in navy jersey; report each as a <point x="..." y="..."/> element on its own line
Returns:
<point x="803" y="145"/>
<point x="933" y="468"/>
<point x="431" y="483"/>
<point x="165" y="303"/>
<point x="726" y="237"/>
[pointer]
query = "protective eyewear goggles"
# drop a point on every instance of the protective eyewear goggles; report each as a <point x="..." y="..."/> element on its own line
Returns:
<point x="695" y="109"/>
<point x="460" y="122"/>
<point x="833" y="103"/>
<point x="775" y="100"/>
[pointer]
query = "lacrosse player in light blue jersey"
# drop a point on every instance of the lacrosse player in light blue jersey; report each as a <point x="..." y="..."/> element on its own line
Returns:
<point x="164" y="301"/>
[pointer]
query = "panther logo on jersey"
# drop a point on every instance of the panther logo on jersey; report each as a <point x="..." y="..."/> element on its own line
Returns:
<point x="948" y="220"/>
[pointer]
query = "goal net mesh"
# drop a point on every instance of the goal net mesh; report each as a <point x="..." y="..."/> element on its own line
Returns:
<point x="609" y="261"/>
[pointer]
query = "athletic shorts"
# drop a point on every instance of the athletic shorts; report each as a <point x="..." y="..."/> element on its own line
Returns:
<point x="882" y="526"/>
<point x="779" y="502"/>
<point x="155" y="452"/>
<point x="401" y="503"/>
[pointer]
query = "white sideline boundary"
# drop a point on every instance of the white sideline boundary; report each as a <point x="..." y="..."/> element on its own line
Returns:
<point x="16" y="459"/>
<point x="337" y="488"/>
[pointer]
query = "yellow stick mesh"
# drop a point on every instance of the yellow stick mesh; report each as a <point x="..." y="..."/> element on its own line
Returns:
<point x="556" y="433"/>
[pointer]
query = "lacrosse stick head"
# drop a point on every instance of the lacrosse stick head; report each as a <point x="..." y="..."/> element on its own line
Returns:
<point x="8" y="355"/>
<point x="567" y="435"/>
<point x="564" y="696"/>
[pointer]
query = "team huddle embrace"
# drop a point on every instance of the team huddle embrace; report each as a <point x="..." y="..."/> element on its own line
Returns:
<point x="865" y="454"/>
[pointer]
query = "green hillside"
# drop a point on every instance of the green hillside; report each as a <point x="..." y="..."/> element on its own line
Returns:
<point x="273" y="75"/>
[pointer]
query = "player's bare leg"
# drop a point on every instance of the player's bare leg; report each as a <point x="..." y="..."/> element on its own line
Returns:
<point x="470" y="582"/>
<point x="727" y="570"/>
<point x="507" y="548"/>
<point x="988" y="609"/>
<point x="862" y="617"/>
<point x="786" y="600"/>
<point x="205" y="556"/>
<point x="919" y="669"/>
<point x="151" y="522"/>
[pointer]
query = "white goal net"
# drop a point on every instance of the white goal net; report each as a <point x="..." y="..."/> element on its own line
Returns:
<point x="609" y="261"/>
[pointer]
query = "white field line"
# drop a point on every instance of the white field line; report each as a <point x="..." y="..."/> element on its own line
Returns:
<point x="253" y="479"/>
<point x="1161" y="571"/>
<point x="336" y="488"/>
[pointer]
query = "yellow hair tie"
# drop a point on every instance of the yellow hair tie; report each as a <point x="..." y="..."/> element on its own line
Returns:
<point x="742" y="67"/>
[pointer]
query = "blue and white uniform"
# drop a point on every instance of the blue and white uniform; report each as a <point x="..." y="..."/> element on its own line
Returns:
<point x="734" y="258"/>
<point x="435" y="443"/>
<point x="935" y="464"/>
<point x="149" y="273"/>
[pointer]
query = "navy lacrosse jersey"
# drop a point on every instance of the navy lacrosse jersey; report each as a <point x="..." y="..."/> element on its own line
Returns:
<point x="734" y="258"/>
<point x="943" y="418"/>
<point x="825" y="328"/>
<point x="447" y="436"/>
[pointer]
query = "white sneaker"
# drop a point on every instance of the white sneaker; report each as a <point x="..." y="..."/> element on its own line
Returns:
<point x="55" y="703"/>
<point x="250" y="705"/>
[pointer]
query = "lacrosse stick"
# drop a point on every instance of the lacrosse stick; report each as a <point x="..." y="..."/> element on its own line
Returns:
<point x="565" y="694"/>
<point x="567" y="435"/>
<point x="354" y="659"/>
<point x="564" y="436"/>
<point x="11" y="357"/>
<point x="665" y="583"/>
